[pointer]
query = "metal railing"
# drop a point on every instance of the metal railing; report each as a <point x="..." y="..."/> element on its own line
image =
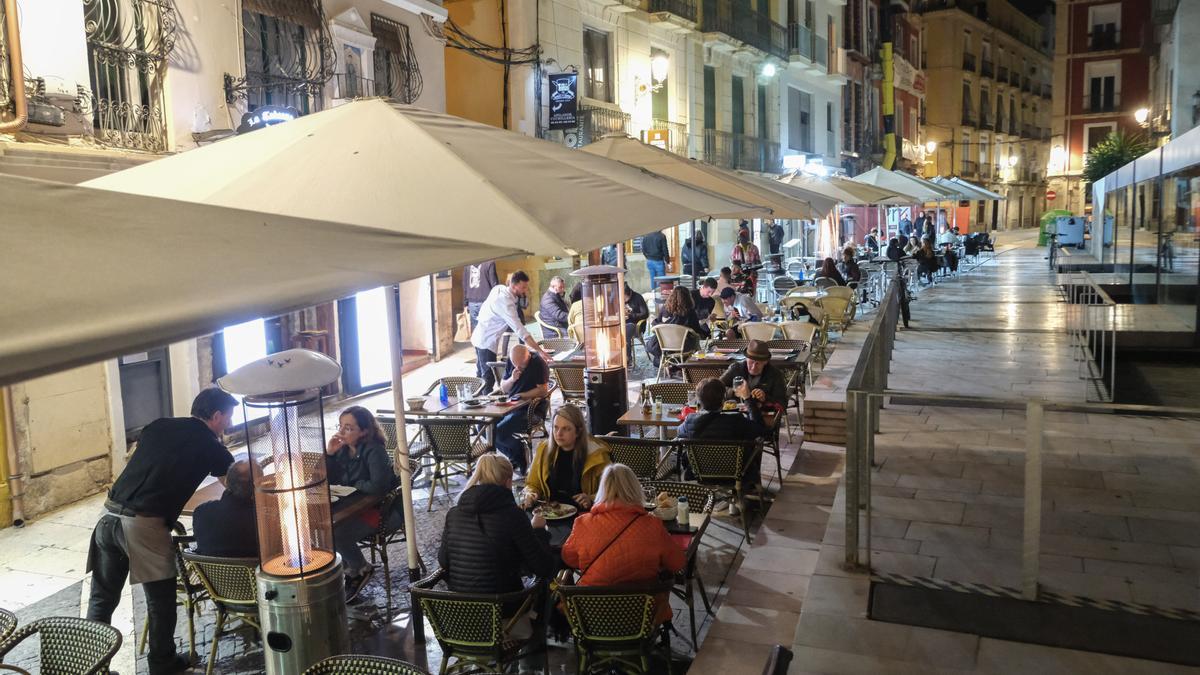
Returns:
<point x="684" y="9"/>
<point x="1092" y="325"/>
<point x="352" y="86"/>
<point x="821" y="51"/>
<point x="596" y="121"/>
<point x="1105" y="103"/>
<point x="968" y="118"/>
<point x="969" y="167"/>
<point x="748" y="26"/>
<point x="1002" y="74"/>
<point x="800" y="40"/>
<point x="677" y="138"/>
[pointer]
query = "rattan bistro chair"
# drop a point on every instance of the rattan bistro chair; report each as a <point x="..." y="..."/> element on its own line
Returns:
<point x="645" y="456"/>
<point x="361" y="664"/>
<point x="725" y="465"/>
<point x="671" y="393"/>
<point x="8" y="624"/>
<point x="233" y="590"/>
<point x="673" y="340"/>
<point x="696" y="372"/>
<point x="69" y="645"/>
<point x="701" y="499"/>
<point x="559" y="345"/>
<point x="548" y="331"/>
<point x="453" y="382"/>
<point x="383" y="536"/>
<point x="189" y="591"/>
<point x="571" y="383"/>
<point x="613" y="626"/>
<point x="759" y="330"/>
<point x="472" y="630"/>
<point x="454" y="445"/>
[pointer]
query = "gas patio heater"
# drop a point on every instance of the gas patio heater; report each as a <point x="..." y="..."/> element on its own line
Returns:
<point x="301" y="599"/>
<point x="604" y="345"/>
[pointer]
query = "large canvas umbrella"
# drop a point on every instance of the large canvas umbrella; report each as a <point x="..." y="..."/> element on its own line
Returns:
<point x="847" y="191"/>
<point x="699" y="175"/>
<point x="820" y="203"/>
<point x="985" y="194"/>
<point x="903" y="183"/>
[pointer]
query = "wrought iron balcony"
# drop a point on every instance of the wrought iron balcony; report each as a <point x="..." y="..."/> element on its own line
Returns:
<point x="1104" y="103"/>
<point x="1014" y="77"/>
<point x="1102" y="39"/>
<point x="1047" y="91"/>
<point x="1027" y="131"/>
<point x="596" y="121"/>
<point x="986" y="123"/>
<point x="747" y="26"/>
<point x="352" y="86"/>
<point x="985" y="68"/>
<point x="677" y="137"/>
<point x="1025" y="84"/>
<point x="969" y="61"/>
<point x="684" y="9"/>
<point x="969" y="168"/>
<point x="738" y="151"/>
<point x="800" y="40"/>
<point x="1013" y="128"/>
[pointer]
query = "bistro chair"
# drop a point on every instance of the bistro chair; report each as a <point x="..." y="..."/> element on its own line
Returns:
<point x="8" y="623"/>
<point x="189" y="590"/>
<point x="378" y="541"/>
<point x="701" y="499"/>
<point x="758" y="330"/>
<point x="613" y="626"/>
<point x="649" y="458"/>
<point x="781" y="285"/>
<point x="231" y="586"/>
<point x="728" y="344"/>
<point x="671" y="393"/>
<point x="68" y="645"/>
<point x="798" y="330"/>
<point x="837" y="313"/>
<point x="796" y="375"/>
<point x="497" y="368"/>
<point x="454" y="444"/>
<point x="695" y="372"/>
<point x="824" y="283"/>
<point x="535" y="422"/>
<point x="847" y="293"/>
<point x="673" y="341"/>
<point x="361" y="664"/>
<point x="453" y="382"/>
<point x="571" y="383"/>
<point x="548" y="331"/>
<point x="472" y="630"/>
<point x="725" y="465"/>
<point x="559" y="345"/>
<point x="418" y="447"/>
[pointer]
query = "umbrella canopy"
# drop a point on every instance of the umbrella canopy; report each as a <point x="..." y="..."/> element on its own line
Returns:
<point x="847" y="191"/>
<point x="820" y="202"/>
<point x="904" y="183"/>
<point x="949" y="191"/>
<point x="699" y="175"/>
<point x="988" y="195"/>
<point x="380" y="164"/>
<point x="91" y="274"/>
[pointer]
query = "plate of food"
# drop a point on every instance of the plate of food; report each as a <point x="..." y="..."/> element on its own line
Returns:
<point x="665" y="506"/>
<point x="341" y="490"/>
<point x="555" y="511"/>
<point x="729" y="406"/>
<point x="473" y="403"/>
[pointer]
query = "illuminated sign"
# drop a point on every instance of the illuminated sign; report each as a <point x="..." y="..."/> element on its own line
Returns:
<point x="564" y="100"/>
<point x="266" y="116"/>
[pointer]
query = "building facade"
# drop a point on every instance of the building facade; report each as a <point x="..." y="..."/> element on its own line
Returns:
<point x="114" y="83"/>
<point x="1175" y="69"/>
<point x="1101" y="79"/>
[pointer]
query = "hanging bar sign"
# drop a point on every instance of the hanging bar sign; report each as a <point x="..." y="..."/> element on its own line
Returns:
<point x="564" y="100"/>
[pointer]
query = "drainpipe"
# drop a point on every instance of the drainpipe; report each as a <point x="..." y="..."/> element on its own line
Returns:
<point x="12" y="27"/>
<point x="16" y="490"/>
<point x="888" y="86"/>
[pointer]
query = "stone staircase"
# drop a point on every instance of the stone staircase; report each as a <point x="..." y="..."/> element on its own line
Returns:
<point x="64" y="164"/>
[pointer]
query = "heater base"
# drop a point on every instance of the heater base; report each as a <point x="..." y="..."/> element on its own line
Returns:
<point x="303" y="619"/>
<point x="607" y="399"/>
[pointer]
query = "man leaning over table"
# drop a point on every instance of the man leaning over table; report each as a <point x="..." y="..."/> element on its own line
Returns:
<point x="497" y="315"/>
<point x="133" y="537"/>
<point x="765" y="383"/>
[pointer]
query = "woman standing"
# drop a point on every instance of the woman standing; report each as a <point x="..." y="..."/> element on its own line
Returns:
<point x="566" y="467"/>
<point x="357" y="459"/>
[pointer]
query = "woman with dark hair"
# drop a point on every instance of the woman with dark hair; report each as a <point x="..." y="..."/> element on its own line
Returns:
<point x="894" y="250"/>
<point x="357" y="458"/>
<point x="849" y="266"/>
<point x="927" y="262"/>
<point x="829" y="270"/>
<point x="680" y="310"/>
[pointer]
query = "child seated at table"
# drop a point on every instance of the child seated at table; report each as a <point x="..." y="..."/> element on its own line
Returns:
<point x="566" y="467"/>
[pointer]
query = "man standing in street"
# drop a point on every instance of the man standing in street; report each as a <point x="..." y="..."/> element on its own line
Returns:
<point x="775" y="237"/>
<point x="497" y="315"/>
<point x="478" y="281"/>
<point x="554" y="307"/>
<point x="654" y="247"/>
<point x="133" y="537"/>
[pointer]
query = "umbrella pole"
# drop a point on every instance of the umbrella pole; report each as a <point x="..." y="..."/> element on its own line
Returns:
<point x="402" y="461"/>
<point x="692" y="243"/>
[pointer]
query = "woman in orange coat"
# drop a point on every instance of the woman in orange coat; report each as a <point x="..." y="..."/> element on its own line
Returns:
<point x="640" y="546"/>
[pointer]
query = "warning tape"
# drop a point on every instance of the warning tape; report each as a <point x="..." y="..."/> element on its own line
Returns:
<point x="1043" y="596"/>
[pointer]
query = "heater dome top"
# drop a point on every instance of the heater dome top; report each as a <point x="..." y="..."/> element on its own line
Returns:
<point x="598" y="270"/>
<point x="289" y="370"/>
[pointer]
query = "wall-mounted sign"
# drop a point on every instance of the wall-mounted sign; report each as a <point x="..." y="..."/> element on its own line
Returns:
<point x="265" y="116"/>
<point x="659" y="138"/>
<point x="564" y="100"/>
<point x="907" y="77"/>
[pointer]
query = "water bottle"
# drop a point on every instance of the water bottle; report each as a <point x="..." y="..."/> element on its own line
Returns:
<point x="444" y="394"/>
<point x="681" y="512"/>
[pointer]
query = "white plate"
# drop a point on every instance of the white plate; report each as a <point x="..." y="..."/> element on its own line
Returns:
<point x="341" y="490"/>
<point x="333" y="498"/>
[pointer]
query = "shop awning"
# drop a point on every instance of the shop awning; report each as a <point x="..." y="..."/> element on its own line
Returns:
<point x="921" y="190"/>
<point x="92" y="274"/>
<point x="974" y="190"/>
<point x="847" y="191"/>
<point x="384" y="165"/>
<point x="700" y="175"/>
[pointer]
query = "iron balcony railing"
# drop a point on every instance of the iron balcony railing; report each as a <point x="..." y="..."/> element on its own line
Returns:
<point x="1108" y="102"/>
<point x="800" y="40"/>
<point x="985" y="68"/>
<point x="684" y="9"/>
<point x="969" y="61"/>
<point x="1014" y="77"/>
<point x="1046" y="90"/>
<point x="1102" y="39"/>
<point x="1025" y="84"/>
<point x="985" y="170"/>
<point x="968" y="118"/>
<point x="748" y="26"/>
<point x="677" y="136"/>
<point x="739" y="151"/>
<point x="821" y="51"/>
<point x="969" y="167"/>
<point x="985" y="122"/>
<point x="596" y="121"/>
<point x="351" y="86"/>
<point x="1012" y="128"/>
<point x="1027" y="131"/>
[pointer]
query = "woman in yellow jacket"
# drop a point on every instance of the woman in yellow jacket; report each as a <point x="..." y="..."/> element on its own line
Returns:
<point x="567" y="467"/>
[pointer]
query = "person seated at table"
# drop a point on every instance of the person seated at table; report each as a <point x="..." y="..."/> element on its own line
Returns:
<point x="927" y="262"/>
<point x="567" y="466"/>
<point x="488" y="542"/>
<point x="849" y="266"/>
<point x="553" y="307"/>
<point x="575" y="314"/>
<point x="636" y="311"/>
<point x="912" y="246"/>
<point x="830" y="271"/>
<point x="871" y="242"/>
<point x="619" y="542"/>
<point x="227" y="527"/>
<point x="766" y="383"/>
<point x="724" y="279"/>
<point x="894" y="251"/>
<point x="703" y="300"/>
<point x="711" y="421"/>
<point x="677" y="310"/>
<point x="357" y="459"/>
<point x="526" y="377"/>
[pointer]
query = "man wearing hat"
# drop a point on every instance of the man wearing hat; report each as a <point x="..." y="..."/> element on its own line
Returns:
<point x="764" y="382"/>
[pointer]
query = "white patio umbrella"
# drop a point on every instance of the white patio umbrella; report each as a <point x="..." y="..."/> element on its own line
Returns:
<point x="847" y="191"/>
<point x="378" y="164"/>
<point x="903" y="183"/>
<point x="985" y="194"/>
<point x="819" y="202"/>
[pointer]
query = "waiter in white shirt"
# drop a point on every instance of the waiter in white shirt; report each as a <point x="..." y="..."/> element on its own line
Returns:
<point x="498" y="315"/>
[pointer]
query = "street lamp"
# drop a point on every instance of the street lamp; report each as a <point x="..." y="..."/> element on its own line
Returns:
<point x="659" y="67"/>
<point x="1142" y="115"/>
<point x="1012" y="160"/>
<point x="768" y="69"/>
<point x="930" y="147"/>
<point x="604" y="345"/>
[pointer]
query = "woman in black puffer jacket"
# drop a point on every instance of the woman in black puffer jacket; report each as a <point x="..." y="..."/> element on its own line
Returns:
<point x="488" y="542"/>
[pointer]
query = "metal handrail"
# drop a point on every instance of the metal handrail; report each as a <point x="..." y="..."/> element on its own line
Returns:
<point x="1094" y="333"/>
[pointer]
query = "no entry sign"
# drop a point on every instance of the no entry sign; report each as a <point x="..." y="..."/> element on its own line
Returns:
<point x="1050" y="195"/>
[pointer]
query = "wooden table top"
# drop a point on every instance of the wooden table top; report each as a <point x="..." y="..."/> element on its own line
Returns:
<point x="796" y="357"/>
<point x="343" y="508"/>
<point x="635" y="417"/>
<point x="491" y="410"/>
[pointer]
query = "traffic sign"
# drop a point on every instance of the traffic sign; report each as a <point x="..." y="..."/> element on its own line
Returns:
<point x="1050" y="195"/>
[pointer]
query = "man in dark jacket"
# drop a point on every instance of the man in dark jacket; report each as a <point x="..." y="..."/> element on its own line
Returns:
<point x="227" y="526"/>
<point x="636" y="310"/>
<point x="704" y="298"/>
<point x="654" y="247"/>
<point x="699" y="264"/>
<point x="713" y="423"/>
<point x="764" y="382"/>
<point x="554" y="308"/>
<point x="775" y="237"/>
<point x="488" y="541"/>
<point x="478" y="281"/>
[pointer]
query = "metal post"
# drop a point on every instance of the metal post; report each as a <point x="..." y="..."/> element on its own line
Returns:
<point x="853" y="434"/>
<point x="692" y="244"/>
<point x="402" y="460"/>
<point x="866" y="459"/>
<point x="1031" y="540"/>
